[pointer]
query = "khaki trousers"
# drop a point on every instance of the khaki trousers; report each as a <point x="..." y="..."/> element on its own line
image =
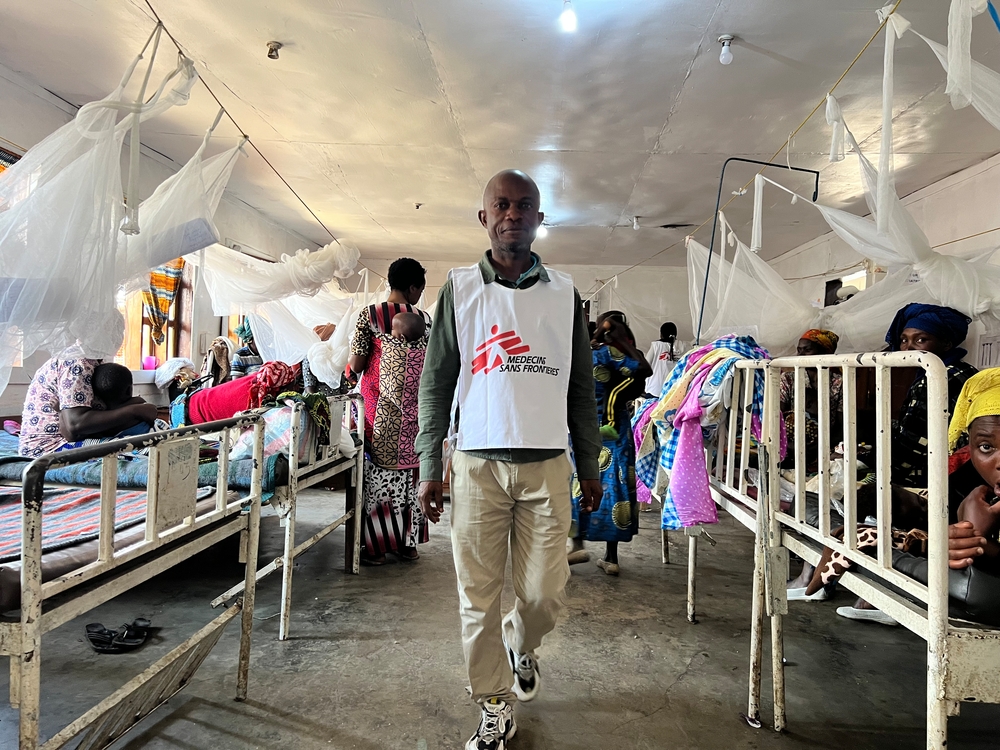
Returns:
<point x="526" y="507"/>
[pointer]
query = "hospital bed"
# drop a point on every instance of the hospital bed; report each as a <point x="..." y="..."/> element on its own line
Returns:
<point x="311" y="464"/>
<point x="963" y="658"/>
<point x="174" y="526"/>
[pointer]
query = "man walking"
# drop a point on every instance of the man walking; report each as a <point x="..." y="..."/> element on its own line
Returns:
<point x="512" y="336"/>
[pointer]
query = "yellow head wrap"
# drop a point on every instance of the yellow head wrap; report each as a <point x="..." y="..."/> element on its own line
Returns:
<point x="980" y="397"/>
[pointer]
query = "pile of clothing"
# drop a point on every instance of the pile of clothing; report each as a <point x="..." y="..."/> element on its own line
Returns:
<point x="694" y="401"/>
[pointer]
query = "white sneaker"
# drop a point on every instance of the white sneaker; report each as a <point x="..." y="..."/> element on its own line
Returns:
<point x="869" y="615"/>
<point x="527" y="680"/>
<point x="496" y="727"/>
<point x="799" y="595"/>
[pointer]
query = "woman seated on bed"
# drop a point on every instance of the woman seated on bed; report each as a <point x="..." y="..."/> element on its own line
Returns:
<point x="941" y="331"/>
<point x="814" y="342"/>
<point x="62" y="410"/>
<point x="974" y="510"/>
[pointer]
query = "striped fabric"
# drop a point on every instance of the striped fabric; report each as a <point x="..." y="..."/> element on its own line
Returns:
<point x="69" y="516"/>
<point x="156" y="300"/>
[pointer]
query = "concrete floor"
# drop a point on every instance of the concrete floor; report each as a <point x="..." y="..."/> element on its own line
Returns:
<point x="375" y="661"/>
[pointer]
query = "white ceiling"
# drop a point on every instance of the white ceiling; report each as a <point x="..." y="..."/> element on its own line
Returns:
<point x="375" y="106"/>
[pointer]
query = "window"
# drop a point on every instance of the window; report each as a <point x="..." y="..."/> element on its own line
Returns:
<point x="139" y="330"/>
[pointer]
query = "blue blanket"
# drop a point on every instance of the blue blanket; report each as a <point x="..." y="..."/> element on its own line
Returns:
<point x="132" y="472"/>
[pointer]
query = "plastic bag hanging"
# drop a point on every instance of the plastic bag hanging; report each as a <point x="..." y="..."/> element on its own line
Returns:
<point x="178" y="218"/>
<point x="959" y="67"/>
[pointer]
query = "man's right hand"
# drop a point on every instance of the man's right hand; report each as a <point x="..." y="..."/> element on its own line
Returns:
<point x="591" y="491"/>
<point x="432" y="500"/>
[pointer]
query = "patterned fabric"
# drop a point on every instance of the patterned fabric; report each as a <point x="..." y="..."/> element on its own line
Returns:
<point x="244" y="332"/>
<point x="58" y="384"/>
<point x="909" y="438"/>
<point x="156" y="300"/>
<point x="245" y="362"/>
<point x="269" y="380"/>
<point x="318" y="408"/>
<point x="70" y="517"/>
<point x="393" y="518"/>
<point x="639" y="422"/>
<point x="827" y="340"/>
<point x="811" y="427"/>
<point x="389" y="385"/>
<point x="914" y="542"/>
<point x="617" y="517"/>
<point x="658" y="452"/>
<point x="980" y="397"/>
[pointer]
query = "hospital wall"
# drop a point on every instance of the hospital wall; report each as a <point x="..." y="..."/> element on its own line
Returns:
<point x="30" y="113"/>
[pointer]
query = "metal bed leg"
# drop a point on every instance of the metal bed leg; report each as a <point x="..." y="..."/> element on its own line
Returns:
<point x="250" y="580"/>
<point x="352" y="528"/>
<point x="288" y="563"/>
<point x="937" y="706"/>
<point x="756" y="636"/>
<point x="692" y="563"/>
<point x="664" y="547"/>
<point x="15" y="681"/>
<point x="778" y="671"/>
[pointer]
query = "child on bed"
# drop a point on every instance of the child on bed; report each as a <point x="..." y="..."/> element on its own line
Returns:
<point x="113" y="388"/>
<point x="407" y="326"/>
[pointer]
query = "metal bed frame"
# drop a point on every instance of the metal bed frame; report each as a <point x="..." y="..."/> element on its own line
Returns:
<point x="174" y="532"/>
<point x="963" y="658"/>
<point x="326" y="462"/>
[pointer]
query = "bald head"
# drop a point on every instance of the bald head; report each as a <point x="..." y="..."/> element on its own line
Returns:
<point x="511" y="212"/>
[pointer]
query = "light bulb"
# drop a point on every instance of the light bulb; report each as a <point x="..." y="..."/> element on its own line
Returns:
<point x="635" y="223"/>
<point x="726" y="56"/>
<point x="541" y="232"/>
<point x="568" y="18"/>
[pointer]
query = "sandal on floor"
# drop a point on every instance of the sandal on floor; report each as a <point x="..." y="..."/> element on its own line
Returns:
<point x="372" y="561"/>
<point x="409" y="554"/>
<point x="132" y="636"/>
<point x="610" y="568"/>
<point x="128" y="637"/>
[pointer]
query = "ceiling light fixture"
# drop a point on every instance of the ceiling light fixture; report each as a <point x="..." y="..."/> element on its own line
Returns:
<point x="635" y="223"/>
<point x="568" y="18"/>
<point x="272" y="50"/>
<point x="541" y="232"/>
<point x="726" y="56"/>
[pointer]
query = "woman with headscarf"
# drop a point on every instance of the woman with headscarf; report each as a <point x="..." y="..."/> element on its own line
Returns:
<point x="247" y="359"/>
<point x="390" y="371"/>
<point x="814" y="342"/>
<point x="620" y="372"/>
<point x="940" y="331"/>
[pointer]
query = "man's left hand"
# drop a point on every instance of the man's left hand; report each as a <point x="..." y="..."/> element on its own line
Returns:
<point x="592" y="492"/>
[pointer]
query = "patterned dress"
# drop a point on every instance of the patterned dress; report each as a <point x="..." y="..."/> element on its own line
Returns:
<point x="617" y="518"/>
<point x="58" y="384"/>
<point x="389" y="385"/>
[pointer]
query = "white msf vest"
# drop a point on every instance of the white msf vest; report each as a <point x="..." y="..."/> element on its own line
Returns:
<point x="516" y="347"/>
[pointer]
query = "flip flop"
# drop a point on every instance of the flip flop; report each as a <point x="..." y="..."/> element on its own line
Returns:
<point x="372" y="561"/>
<point x="101" y="639"/>
<point x="132" y="636"/>
<point x="408" y="556"/>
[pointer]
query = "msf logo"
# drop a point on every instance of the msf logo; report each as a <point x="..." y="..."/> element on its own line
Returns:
<point x="493" y="352"/>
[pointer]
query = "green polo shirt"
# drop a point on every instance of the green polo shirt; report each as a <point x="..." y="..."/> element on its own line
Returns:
<point x="442" y="365"/>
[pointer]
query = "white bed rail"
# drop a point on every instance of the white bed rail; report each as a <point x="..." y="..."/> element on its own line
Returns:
<point x="172" y="519"/>
<point x="963" y="659"/>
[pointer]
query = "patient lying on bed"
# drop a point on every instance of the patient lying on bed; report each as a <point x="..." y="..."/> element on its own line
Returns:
<point x="62" y="410"/>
